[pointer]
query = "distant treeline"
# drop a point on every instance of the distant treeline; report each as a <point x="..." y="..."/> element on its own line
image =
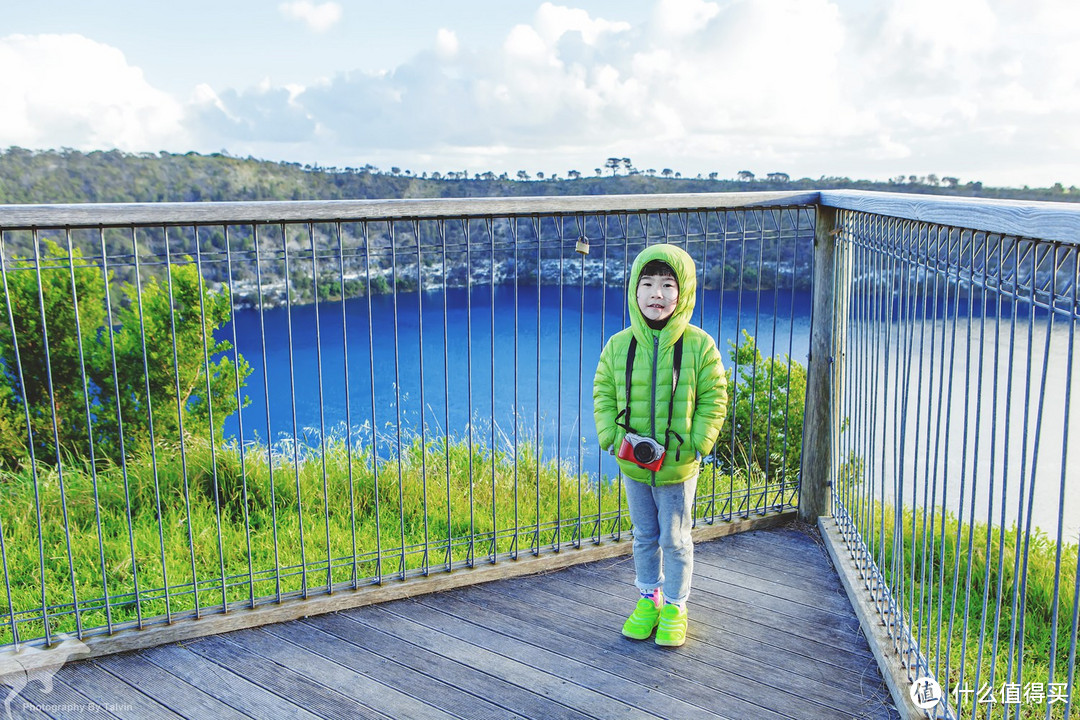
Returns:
<point x="70" y="176"/>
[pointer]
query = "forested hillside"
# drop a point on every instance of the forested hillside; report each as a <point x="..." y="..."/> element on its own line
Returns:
<point x="70" y="176"/>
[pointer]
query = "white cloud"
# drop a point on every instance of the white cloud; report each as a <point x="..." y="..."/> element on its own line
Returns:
<point x="69" y="91"/>
<point x="318" y="18"/>
<point x="979" y="89"/>
<point x="554" y="21"/>
<point x="678" y="18"/>
<point x="446" y="44"/>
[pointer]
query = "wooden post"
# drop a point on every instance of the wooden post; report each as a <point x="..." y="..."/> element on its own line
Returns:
<point x="815" y="482"/>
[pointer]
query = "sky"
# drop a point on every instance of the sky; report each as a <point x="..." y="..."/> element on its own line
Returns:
<point x="980" y="90"/>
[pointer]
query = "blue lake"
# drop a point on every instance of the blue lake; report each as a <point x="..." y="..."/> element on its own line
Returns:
<point x="520" y="364"/>
<point x="508" y="360"/>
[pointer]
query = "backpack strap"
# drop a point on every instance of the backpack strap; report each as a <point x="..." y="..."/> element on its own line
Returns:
<point x="630" y="351"/>
<point x="676" y="366"/>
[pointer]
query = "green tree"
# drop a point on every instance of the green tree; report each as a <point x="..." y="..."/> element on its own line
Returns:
<point x="169" y="368"/>
<point x="763" y="429"/>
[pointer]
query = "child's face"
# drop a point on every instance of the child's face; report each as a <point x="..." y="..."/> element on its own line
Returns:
<point x="657" y="295"/>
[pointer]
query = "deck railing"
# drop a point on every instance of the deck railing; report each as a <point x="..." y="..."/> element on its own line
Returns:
<point x="196" y="424"/>
<point x="951" y="432"/>
<point x="173" y="450"/>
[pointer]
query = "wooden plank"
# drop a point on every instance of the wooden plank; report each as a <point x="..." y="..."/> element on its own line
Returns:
<point x="853" y="658"/>
<point x="156" y="632"/>
<point x="743" y="696"/>
<point x="282" y="680"/>
<point x="1044" y="220"/>
<point x="347" y="681"/>
<point x="580" y="663"/>
<point x="224" y="684"/>
<point x="829" y="600"/>
<point x="114" y="694"/>
<point x="544" y="645"/>
<point x="804" y="575"/>
<point x="768" y="554"/>
<point x="643" y="662"/>
<point x="437" y="696"/>
<point x="770" y="668"/>
<point x="60" y="703"/>
<point x="748" y="606"/>
<point x="181" y="213"/>
<point x="525" y="675"/>
<point x="497" y="690"/>
<point x="179" y="695"/>
<point x="614" y="656"/>
<point x="756" y="594"/>
<point x="20" y="708"/>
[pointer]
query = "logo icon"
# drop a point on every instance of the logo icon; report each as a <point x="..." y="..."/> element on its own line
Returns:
<point x="34" y="663"/>
<point x="925" y="693"/>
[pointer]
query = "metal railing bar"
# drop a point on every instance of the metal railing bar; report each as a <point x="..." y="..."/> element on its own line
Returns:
<point x="89" y="436"/>
<point x="1015" y="639"/>
<point x="210" y="413"/>
<point x="900" y="438"/>
<point x="603" y="230"/>
<point x="735" y="375"/>
<point x="391" y="232"/>
<point x="624" y="310"/>
<point x="470" y="558"/>
<point x="425" y="562"/>
<point x="322" y="404"/>
<point x="295" y="444"/>
<point x="365" y="234"/>
<point x="772" y="368"/>
<point x="240" y="430"/>
<point x="348" y="405"/>
<point x="1060" y="539"/>
<point x="581" y="233"/>
<point x="515" y="237"/>
<point x="494" y="551"/>
<point x="30" y="442"/>
<point x="557" y="536"/>
<point x="757" y="342"/>
<point x="1019" y="619"/>
<point x="153" y="438"/>
<point x="974" y="470"/>
<point x="180" y="419"/>
<point x="945" y="474"/>
<point x="927" y="578"/>
<point x="537" y="233"/>
<point x="446" y="396"/>
<point x="56" y="439"/>
<point x="269" y="431"/>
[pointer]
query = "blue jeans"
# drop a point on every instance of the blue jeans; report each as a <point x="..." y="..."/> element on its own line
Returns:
<point x="663" y="517"/>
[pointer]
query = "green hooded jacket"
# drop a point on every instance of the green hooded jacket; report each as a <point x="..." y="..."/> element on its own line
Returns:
<point x="700" y="396"/>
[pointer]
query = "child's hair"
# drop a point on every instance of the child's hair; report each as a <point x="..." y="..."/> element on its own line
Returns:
<point x="657" y="267"/>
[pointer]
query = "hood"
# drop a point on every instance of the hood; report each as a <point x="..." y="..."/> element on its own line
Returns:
<point x="685" y="272"/>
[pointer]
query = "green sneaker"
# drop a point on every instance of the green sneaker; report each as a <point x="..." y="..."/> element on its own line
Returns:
<point x="671" y="631"/>
<point x="640" y="624"/>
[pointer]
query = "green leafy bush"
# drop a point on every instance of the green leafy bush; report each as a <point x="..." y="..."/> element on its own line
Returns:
<point x="58" y="341"/>
<point x="763" y="429"/>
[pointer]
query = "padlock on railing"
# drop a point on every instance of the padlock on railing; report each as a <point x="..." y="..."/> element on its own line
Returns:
<point x="582" y="246"/>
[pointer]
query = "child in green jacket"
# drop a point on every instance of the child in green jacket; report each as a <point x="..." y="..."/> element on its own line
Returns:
<point x="660" y="429"/>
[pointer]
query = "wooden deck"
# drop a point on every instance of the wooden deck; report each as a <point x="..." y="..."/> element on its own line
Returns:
<point x="772" y="635"/>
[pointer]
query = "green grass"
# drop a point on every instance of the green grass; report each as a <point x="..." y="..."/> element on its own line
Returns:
<point x="345" y="513"/>
<point x="175" y="522"/>
<point x="940" y="595"/>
